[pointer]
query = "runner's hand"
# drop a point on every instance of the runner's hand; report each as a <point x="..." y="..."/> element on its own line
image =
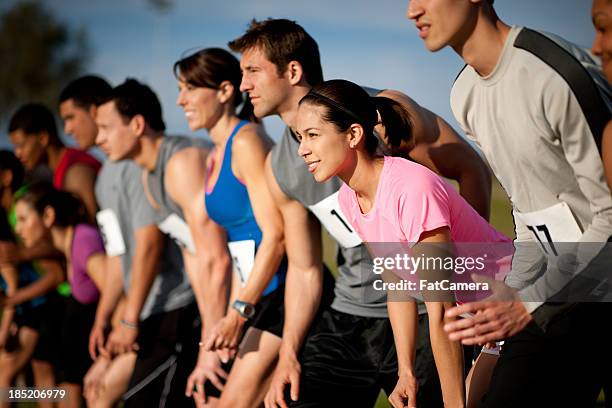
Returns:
<point x="122" y="340"/>
<point x="404" y="393"/>
<point x="96" y="341"/>
<point x="497" y="317"/>
<point x="92" y="382"/>
<point x="207" y="368"/>
<point x="287" y="372"/>
<point x="226" y="333"/>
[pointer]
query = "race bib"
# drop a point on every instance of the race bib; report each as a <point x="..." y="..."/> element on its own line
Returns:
<point x="329" y="214"/>
<point x="550" y="225"/>
<point x="243" y="257"/>
<point x="179" y="231"/>
<point x="111" y="232"/>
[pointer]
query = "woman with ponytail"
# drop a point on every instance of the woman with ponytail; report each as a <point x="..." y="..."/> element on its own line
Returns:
<point x="395" y="201"/>
<point x="237" y="198"/>
<point x="44" y="212"/>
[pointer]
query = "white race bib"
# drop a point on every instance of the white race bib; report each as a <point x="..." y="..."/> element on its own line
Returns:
<point x="329" y="214"/>
<point x="243" y="258"/>
<point x="550" y="225"/>
<point x="179" y="231"/>
<point x="111" y="232"/>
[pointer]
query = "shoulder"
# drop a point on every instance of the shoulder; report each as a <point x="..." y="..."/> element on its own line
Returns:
<point x="250" y="136"/>
<point x="406" y="180"/>
<point x="85" y="232"/>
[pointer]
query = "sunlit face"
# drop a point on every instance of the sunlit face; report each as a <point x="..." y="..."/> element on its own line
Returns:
<point x="260" y="79"/>
<point x="29" y="148"/>
<point x="115" y="137"/>
<point x="325" y="150"/>
<point x="30" y="226"/>
<point x="201" y="105"/>
<point x="79" y="123"/>
<point x="442" y="23"/>
<point x="602" y="44"/>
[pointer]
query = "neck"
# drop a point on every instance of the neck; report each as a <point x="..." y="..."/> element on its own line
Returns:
<point x="148" y="150"/>
<point x="288" y="110"/>
<point x="54" y="155"/>
<point x="220" y="131"/>
<point x="484" y="43"/>
<point x="363" y="177"/>
<point x="62" y="239"/>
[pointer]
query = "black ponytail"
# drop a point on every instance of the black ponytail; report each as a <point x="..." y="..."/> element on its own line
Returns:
<point x="69" y="210"/>
<point x="396" y="120"/>
<point x="347" y="103"/>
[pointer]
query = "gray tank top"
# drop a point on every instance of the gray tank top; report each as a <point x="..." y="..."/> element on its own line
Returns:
<point x="172" y="219"/>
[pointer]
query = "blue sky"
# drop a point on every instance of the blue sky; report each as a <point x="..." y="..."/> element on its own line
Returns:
<point x="366" y="41"/>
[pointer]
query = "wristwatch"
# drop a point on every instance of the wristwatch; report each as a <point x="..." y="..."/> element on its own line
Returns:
<point x="246" y="310"/>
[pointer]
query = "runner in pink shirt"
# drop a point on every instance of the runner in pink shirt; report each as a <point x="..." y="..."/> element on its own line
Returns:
<point x="391" y="200"/>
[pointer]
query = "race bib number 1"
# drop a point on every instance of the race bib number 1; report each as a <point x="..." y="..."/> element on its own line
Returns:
<point x="329" y="214"/>
<point x="243" y="257"/>
<point x="550" y="225"/>
<point x="179" y="231"/>
<point x="111" y="232"/>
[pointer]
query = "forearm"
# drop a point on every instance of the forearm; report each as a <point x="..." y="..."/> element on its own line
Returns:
<point x="215" y="277"/>
<point x="47" y="283"/>
<point x="475" y="186"/>
<point x="111" y="293"/>
<point x="8" y="313"/>
<point x="404" y="317"/>
<point x="448" y="355"/>
<point x="267" y="261"/>
<point x="303" y="290"/>
<point x="42" y="250"/>
<point x="144" y="272"/>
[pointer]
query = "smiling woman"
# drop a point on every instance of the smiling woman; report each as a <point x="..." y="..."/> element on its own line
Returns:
<point x="237" y="198"/>
<point x="389" y="199"/>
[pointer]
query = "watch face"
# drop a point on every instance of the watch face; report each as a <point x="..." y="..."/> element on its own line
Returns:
<point x="249" y="310"/>
<point x="246" y="310"/>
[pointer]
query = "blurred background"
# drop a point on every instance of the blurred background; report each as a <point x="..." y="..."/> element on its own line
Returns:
<point x="46" y="43"/>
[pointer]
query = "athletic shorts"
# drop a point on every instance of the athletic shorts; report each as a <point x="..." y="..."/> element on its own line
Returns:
<point x="31" y="317"/>
<point x="168" y="350"/>
<point x="564" y="366"/>
<point x="347" y="359"/>
<point x="74" y="358"/>
<point x="48" y="347"/>
<point x="270" y="317"/>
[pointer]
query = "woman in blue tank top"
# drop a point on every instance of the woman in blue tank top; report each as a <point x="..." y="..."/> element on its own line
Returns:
<point x="238" y="199"/>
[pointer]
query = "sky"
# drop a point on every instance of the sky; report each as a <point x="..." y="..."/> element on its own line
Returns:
<point x="368" y="42"/>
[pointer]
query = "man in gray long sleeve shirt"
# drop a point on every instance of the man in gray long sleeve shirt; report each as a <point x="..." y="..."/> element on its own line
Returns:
<point x="536" y="105"/>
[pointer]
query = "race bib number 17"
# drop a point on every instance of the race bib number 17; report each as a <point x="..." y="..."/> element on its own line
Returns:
<point x="550" y="225"/>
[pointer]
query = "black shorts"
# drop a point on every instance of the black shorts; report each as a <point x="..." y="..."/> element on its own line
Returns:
<point x="31" y="317"/>
<point x="347" y="359"/>
<point x="564" y="366"/>
<point x="74" y="358"/>
<point x="270" y="315"/>
<point x="51" y="315"/>
<point x="168" y="350"/>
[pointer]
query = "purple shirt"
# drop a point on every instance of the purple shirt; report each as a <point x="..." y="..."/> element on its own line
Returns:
<point x="85" y="243"/>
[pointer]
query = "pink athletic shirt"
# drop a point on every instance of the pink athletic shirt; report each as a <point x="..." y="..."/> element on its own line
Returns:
<point x="411" y="199"/>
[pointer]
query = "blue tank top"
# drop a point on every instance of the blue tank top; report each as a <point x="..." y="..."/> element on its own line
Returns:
<point x="228" y="204"/>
